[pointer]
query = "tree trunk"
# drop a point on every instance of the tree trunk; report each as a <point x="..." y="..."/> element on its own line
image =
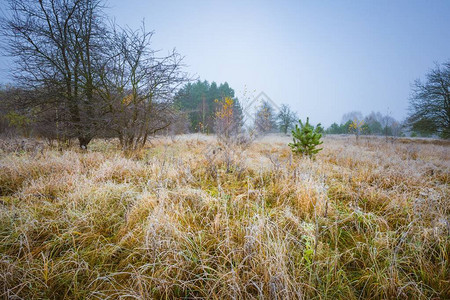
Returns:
<point x="84" y="141"/>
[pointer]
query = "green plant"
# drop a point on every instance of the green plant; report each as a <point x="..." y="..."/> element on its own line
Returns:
<point x="306" y="139"/>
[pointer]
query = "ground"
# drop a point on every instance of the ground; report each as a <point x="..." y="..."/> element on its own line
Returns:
<point x="188" y="217"/>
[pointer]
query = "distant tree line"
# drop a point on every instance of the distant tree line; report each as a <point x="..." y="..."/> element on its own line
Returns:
<point x="429" y="111"/>
<point x="202" y="101"/>
<point x="373" y="124"/>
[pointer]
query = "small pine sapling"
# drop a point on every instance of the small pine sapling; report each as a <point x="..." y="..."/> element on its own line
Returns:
<point x="306" y="139"/>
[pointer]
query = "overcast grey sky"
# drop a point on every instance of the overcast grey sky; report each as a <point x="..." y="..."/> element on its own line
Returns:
<point x="323" y="58"/>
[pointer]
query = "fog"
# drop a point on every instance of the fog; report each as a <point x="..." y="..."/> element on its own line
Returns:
<point x="322" y="58"/>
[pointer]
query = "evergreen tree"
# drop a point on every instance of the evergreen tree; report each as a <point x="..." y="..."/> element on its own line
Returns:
<point x="306" y="138"/>
<point x="334" y="129"/>
<point x="198" y="101"/>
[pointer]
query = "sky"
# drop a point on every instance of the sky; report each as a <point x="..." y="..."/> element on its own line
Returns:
<point x="322" y="58"/>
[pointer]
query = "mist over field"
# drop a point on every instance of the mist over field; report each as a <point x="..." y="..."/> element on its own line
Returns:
<point x="238" y="150"/>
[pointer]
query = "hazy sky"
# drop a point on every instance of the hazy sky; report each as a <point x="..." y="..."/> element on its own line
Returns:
<point x="323" y="58"/>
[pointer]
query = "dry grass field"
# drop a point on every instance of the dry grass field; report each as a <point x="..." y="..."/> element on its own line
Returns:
<point x="188" y="218"/>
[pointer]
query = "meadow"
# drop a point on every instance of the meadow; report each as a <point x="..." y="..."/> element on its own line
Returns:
<point x="187" y="217"/>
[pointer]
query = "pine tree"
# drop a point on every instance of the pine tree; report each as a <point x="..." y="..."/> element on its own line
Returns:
<point x="306" y="138"/>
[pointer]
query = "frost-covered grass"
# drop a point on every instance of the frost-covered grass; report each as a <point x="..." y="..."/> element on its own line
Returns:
<point x="187" y="217"/>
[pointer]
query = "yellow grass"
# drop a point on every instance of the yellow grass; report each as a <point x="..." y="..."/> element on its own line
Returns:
<point x="191" y="218"/>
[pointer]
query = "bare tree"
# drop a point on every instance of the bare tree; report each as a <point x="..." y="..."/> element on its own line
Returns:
<point x="286" y="118"/>
<point x="55" y="44"/>
<point x="265" y="118"/>
<point x="137" y="86"/>
<point x="430" y="102"/>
